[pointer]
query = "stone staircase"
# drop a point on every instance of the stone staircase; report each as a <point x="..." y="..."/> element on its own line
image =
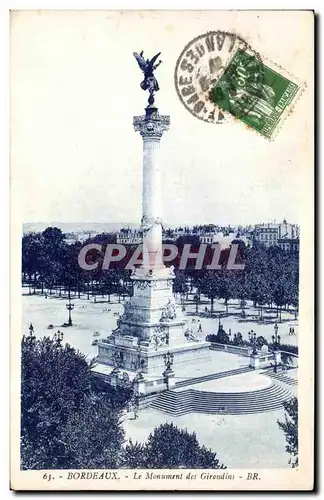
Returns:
<point x="240" y="403"/>
<point x="212" y="376"/>
<point x="147" y="400"/>
<point x="281" y="376"/>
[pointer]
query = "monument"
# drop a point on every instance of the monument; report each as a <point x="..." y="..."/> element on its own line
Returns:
<point x="149" y="343"/>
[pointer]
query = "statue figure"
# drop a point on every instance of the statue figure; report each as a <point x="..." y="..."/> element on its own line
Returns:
<point x="160" y="336"/>
<point x="169" y="311"/>
<point x="118" y="359"/>
<point x="148" y="67"/>
<point x="158" y="340"/>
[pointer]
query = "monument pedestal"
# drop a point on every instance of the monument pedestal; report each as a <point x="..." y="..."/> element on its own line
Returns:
<point x="151" y="327"/>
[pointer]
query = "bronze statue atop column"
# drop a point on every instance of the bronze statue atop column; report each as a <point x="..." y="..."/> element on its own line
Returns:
<point x="148" y="66"/>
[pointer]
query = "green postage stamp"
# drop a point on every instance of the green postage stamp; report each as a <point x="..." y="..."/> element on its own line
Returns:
<point x="259" y="103"/>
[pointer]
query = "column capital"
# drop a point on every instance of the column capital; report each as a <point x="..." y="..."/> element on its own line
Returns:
<point x="151" y="126"/>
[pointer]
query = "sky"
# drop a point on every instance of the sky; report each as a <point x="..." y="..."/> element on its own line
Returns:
<point x="75" y="88"/>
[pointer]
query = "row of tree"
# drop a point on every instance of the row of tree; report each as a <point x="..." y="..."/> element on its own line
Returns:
<point x="270" y="276"/>
<point x="50" y="264"/>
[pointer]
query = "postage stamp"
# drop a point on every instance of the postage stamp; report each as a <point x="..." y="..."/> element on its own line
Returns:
<point x="219" y="72"/>
<point x="157" y="326"/>
<point x="200" y="65"/>
<point x="261" y="107"/>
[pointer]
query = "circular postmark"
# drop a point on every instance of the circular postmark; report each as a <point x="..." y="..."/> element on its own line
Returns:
<point x="218" y="74"/>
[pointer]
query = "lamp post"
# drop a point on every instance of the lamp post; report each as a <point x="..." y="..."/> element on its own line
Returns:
<point x="196" y="299"/>
<point x="139" y="362"/>
<point x="168" y="362"/>
<point x="135" y="404"/>
<point x="252" y="339"/>
<point x="58" y="337"/>
<point x="275" y="343"/>
<point x="31" y="337"/>
<point x="70" y="308"/>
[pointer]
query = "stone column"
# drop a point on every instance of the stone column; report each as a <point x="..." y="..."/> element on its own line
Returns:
<point x="254" y="361"/>
<point x="140" y="385"/>
<point x="277" y="357"/>
<point x="151" y="127"/>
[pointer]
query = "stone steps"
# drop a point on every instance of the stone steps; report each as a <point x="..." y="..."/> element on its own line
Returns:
<point x="282" y="377"/>
<point x="147" y="400"/>
<point x="240" y="403"/>
<point x="212" y="376"/>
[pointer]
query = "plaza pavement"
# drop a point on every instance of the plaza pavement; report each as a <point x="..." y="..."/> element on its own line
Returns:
<point x="89" y="317"/>
<point x="241" y="441"/>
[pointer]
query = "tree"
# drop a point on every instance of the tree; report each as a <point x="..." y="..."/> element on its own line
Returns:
<point x="241" y="289"/>
<point x="32" y="252"/>
<point x="54" y="250"/>
<point x="92" y="439"/>
<point x="226" y="286"/>
<point x="51" y="275"/>
<point x="43" y="257"/>
<point x="134" y="455"/>
<point x="290" y="428"/>
<point x="73" y="277"/>
<point x="109" y="285"/>
<point x="170" y="447"/>
<point x="66" y="420"/>
<point x="259" y="285"/>
<point x="259" y="271"/>
<point x="280" y="293"/>
<point x="180" y="285"/>
<point x="209" y="285"/>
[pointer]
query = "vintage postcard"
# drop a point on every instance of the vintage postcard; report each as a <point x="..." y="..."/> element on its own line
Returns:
<point x="162" y="210"/>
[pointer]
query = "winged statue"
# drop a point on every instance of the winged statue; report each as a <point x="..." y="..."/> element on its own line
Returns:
<point x="148" y="66"/>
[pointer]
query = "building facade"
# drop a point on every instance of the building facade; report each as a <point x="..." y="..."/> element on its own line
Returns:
<point x="131" y="237"/>
<point x="283" y="234"/>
